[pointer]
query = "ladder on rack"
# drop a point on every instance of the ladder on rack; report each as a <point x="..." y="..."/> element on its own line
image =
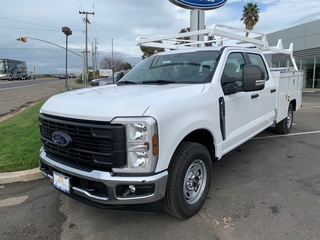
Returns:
<point x="225" y="33"/>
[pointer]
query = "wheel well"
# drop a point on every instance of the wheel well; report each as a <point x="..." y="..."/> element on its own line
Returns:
<point x="294" y="104"/>
<point x="203" y="137"/>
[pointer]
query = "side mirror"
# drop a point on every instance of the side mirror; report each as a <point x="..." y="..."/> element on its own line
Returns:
<point x="252" y="78"/>
<point x="226" y="80"/>
<point x="229" y="90"/>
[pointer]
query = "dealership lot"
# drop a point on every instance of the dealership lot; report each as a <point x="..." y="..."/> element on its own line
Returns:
<point x="267" y="188"/>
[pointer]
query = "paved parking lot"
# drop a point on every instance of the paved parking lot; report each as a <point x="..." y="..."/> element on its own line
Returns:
<point x="269" y="187"/>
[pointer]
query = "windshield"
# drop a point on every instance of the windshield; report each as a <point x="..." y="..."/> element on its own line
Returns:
<point x="190" y="67"/>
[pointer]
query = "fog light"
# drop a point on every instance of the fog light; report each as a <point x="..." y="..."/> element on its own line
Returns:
<point x="132" y="188"/>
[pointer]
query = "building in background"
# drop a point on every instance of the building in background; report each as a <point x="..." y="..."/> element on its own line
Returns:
<point x="306" y="50"/>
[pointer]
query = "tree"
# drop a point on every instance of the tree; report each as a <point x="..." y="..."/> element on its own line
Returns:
<point x="149" y="51"/>
<point x="250" y="16"/>
<point x="184" y="30"/>
<point x="210" y="37"/>
<point x="107" y="63"/>
<point x="125" y="66"/>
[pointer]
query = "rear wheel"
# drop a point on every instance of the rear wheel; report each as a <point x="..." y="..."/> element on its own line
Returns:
<point x="189" y="180"/>
<point x="284" y="126"/>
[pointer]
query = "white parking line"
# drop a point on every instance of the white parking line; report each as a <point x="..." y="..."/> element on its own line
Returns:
<point x="286" y="135"/>
<point x="13" y="201"/>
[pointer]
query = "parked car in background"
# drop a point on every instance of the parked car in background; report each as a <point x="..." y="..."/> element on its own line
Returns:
<point x="71" y="75"/>
<point x="98" y="81"/>
<point x="32" y="76"/>
<point x="112" y="79"/>
<point x="118" y="75"/>
<point x="62" y="76"/>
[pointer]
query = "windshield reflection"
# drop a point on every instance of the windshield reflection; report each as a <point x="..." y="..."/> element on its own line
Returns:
<point x="190" y="67"/>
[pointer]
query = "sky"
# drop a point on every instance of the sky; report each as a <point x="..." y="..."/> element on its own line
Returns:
<point x="115" y="25"/>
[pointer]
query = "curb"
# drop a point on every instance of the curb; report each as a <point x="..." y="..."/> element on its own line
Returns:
<point x="21" y="176"/>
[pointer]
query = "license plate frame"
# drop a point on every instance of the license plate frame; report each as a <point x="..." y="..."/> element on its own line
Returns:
<point x="61" y="182"/>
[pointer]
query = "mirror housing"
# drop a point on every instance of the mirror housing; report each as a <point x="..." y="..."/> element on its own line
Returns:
<point x="226" y="80"/>
<point x="252" y="78"/>
<point x="229" y="90"/>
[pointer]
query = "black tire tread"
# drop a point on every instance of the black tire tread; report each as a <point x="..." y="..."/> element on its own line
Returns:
<point x="281" y="127"/>
<point x="169" y="204"/>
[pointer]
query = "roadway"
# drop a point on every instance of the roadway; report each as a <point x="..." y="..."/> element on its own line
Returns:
<point x="4" y="84"/>
<point x="267" y="188"/>
<point x="17" y="95"/>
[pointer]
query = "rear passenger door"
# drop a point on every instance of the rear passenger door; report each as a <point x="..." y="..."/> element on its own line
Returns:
<point x="267" y="96"/>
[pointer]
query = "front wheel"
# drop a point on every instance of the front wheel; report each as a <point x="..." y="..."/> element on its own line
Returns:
<point x="284" y="126"/>
<point x="189" y="180"/>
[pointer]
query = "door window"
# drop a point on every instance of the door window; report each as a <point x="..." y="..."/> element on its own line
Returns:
<point x="256" y="59"/>
<point x="233" y="69"/>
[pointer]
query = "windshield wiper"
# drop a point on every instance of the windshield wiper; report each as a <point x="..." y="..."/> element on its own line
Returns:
<point x="158" y="82"/>
<point x="125" y="82"/>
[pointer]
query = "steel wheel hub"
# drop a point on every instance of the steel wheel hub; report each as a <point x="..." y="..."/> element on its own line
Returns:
<point x="194" y="181"/>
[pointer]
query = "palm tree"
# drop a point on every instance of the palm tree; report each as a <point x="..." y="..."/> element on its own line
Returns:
<point x="250" y="16"/>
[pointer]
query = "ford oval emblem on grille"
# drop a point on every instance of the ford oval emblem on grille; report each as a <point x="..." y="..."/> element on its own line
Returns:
<point x="61" y="138"/>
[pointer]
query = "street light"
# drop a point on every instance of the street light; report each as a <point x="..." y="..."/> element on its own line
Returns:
<point x="67" y="32"/>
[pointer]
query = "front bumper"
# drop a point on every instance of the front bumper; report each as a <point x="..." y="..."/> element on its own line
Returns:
<point x="112" y="190"/>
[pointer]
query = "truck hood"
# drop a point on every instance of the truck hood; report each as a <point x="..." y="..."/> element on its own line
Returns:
<point x="105" y="103"/>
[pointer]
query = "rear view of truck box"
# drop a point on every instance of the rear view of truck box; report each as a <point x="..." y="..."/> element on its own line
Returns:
<point x="289" y="85"/>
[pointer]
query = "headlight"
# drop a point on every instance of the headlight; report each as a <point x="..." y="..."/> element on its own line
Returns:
<point x="142" y="144"/>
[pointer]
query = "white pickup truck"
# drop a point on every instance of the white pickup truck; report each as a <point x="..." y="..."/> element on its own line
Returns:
<point x="149" y="141"/>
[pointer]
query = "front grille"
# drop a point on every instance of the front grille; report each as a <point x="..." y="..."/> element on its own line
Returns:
<point x="100" y="145"/>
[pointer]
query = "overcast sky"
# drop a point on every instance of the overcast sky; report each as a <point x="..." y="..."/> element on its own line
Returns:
<point x="120" y="20"/>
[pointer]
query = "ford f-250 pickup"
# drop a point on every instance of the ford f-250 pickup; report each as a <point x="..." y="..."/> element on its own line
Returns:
<point x="149" y="141"/>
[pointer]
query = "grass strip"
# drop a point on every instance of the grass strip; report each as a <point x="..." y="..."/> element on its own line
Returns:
<point x="20" y="140"/>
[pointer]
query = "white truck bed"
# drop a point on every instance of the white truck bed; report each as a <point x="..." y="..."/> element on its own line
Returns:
<point x="289" y="85"/>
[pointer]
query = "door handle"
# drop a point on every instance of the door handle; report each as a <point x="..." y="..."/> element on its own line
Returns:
<point x="254" y="95"/>
<point x="273" y="90"/>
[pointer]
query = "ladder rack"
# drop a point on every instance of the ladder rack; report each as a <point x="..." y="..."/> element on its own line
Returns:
<point x="225" y="33"/>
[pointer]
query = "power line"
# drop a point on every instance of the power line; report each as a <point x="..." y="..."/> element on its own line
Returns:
<point x="36" y="29"/>
<point x="80" y="5"/>
<point x="42" y="25"/>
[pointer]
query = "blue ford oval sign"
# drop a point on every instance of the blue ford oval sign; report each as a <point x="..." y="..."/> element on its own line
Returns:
<point x="199" y="4"/>
<point x="61" y="138"/>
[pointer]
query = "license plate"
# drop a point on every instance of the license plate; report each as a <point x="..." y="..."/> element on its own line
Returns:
<point x="61" y="182"/>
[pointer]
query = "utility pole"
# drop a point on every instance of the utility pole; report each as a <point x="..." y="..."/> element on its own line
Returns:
<point x="96" y="55"/>
<point x="94" y="58"/>
<point x="112" y="61"/>
<point x="86" y="21"/>
<point x="93" y="67"/>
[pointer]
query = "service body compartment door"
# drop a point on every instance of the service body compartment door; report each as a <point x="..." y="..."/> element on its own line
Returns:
<point x="289" y="86"/>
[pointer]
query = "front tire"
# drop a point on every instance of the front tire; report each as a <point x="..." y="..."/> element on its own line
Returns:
<point x="284" y="126"/>
<point x="189" y="180"/>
